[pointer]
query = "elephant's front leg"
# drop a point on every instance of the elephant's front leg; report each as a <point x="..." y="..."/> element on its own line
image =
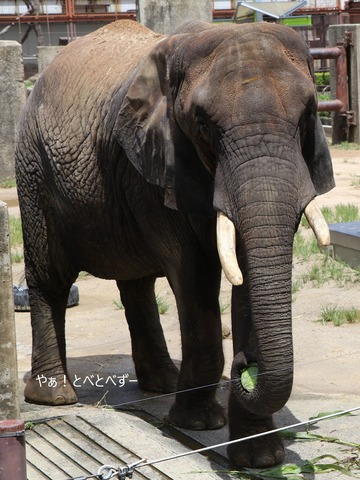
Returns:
<point x="155" y="370"/>
<point x="49" y="383"/>
<point x="197" y="294"/>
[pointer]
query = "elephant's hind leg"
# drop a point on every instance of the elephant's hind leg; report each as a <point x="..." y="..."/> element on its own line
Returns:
<point x="154" y="368"/>
<point x="49" y="277"/>
<point x="49" y="384"/>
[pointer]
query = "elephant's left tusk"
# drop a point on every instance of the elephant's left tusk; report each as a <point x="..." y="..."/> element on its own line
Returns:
<point x="226" y="244"/>
<point x="318" y="224"/>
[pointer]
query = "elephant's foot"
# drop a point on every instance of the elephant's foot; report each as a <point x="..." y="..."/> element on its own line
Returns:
<point x="205" y="415"/>
<point x="260" y="452"/>
<point x="163" y="380"/>
<point x="50" y="391"/>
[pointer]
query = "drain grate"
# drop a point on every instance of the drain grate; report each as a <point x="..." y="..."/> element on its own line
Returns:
<point x="77" y="445"/>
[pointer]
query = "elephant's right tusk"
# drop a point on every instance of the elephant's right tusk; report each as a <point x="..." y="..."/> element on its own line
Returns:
<point x="226" y="244"/>
<point x="318" y="224"/>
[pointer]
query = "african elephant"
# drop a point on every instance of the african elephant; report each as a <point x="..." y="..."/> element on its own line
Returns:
<point x="139" y="154"/>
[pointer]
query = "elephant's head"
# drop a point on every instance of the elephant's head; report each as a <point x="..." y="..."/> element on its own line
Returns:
<point x="224" y="119"/>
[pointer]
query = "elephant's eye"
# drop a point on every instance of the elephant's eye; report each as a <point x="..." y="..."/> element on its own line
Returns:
<point x="203" y="126"/>
<point x="310" y="109"/>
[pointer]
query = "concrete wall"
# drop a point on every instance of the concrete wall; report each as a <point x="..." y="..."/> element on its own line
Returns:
<point x="12" y="99"/>
<point x="165" y="16"/>
<point x="46" y="55"/>
<point x="52" y="33"/>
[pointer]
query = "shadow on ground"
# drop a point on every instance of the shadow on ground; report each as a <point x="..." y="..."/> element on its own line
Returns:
<point x="109" y="381"/>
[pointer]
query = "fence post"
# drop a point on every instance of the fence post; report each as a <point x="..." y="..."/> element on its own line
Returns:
<point x="348" y="37"/>
<point x="9" y="396"/>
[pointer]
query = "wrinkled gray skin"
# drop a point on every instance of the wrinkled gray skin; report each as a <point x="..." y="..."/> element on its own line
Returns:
<point x="128" y="145"/>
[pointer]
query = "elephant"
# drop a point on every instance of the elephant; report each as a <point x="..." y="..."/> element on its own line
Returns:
<point x="141" y="156"/>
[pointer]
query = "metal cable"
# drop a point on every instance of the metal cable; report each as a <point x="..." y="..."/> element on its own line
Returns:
<point x="251" y="437"/>
<point x="127" y="471"/>
<point x="225" y="382"/>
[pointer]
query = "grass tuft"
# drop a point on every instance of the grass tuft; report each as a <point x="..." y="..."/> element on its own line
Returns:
<point x="339" y="214"/>
<point x="338" y="315"/>
<point x="304" y="248"/>
<point x="162" y="304"/>
<point x="16" y="239"/>
<point x="8" y="183"/>
<point x="346" y="146"/>
<point x="356" y="181"/>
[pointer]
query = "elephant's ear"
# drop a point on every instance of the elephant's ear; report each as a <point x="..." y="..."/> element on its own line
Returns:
<point x="317" y="156"/>
<point x="160" y="151"/>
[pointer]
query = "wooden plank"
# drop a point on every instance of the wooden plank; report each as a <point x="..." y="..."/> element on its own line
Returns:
<point x="41" y="467"/>
<point x="68" y="449"/>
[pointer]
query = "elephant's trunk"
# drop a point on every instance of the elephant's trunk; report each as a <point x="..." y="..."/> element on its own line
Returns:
<point x="226" y="240"/>
<point x="265" y="217"/>
<point x="268" y="271"/>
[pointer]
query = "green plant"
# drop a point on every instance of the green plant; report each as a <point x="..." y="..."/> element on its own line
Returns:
<point x="118" y="304"/>
<point x="16" y="239"/>
<point x="346" y="146"/>
<point x="29" y="83"/>
<point x="162" y="305"/>
<point x="84" y="274"/>
<point x="343" y="213"/>
<point x="8" y="183"/>
<point x="15" y="228"/>
<point x="338" y="214"/>
<point x="224" y="307"/>
<point x="348" y="465"/>
<point x="17" y="256"/>
<point x="292" y="471"/>
<point x="296" y="286"/>
<point x="338" y="315"/>
<point x="356" y="181"/>
<point x="322" y="78"/>
<point x="327" y="269"/>
<point x="324" y="97"/>
<point x="303" y="248"/>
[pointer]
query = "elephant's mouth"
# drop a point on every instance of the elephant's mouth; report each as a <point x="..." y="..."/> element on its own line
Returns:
<point x="226" y="240"/>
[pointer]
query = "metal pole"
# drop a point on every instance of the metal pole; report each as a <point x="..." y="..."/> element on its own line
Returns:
<point x="12" y="450"/>
<point x="340" y="121"/>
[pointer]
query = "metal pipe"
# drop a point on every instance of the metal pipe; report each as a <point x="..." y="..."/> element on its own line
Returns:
<point x="323" y="53"/>
<point x="330" y="106"/>
<point x="342" y="92"/>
